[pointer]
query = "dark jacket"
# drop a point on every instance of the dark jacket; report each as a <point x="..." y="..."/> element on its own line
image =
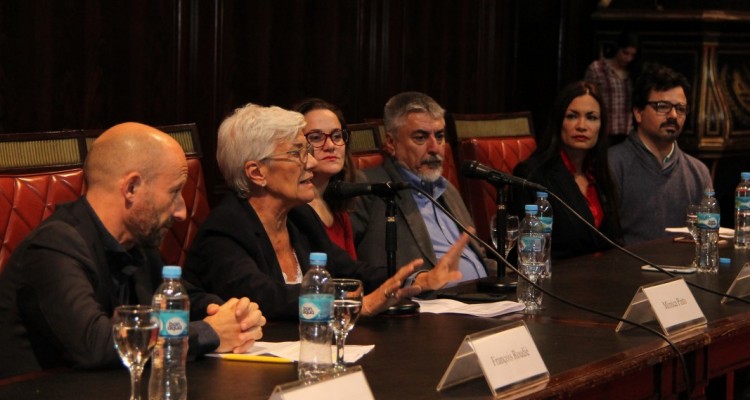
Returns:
<point x="368" y="222"/>
<point x="570" y="237"/>
<point x="57" y="294"/>
<point x="232" y="256"/>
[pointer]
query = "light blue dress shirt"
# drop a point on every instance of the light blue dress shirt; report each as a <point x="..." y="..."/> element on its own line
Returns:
<point x="443" y="231"/>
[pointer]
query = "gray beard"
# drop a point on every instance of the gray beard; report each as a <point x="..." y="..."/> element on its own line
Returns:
<point x="432" y="176"/>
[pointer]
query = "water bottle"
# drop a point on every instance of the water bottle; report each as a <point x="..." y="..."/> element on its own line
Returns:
<point x="742" y="212"/>
<point x="708" y="233"/>
<point x="531" y="258"/>
<point x="315" y="314"/>
<point x="172" y="306"/>
<point x="545" y="216"/>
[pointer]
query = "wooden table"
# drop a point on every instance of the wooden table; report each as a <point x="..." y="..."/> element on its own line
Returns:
<point x="585" y="356"/>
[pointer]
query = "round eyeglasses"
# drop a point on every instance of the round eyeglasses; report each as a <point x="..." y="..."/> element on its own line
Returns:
<point x="301" y="155"/>
<point x="318" y="138"/>
<point x="665" y="107"/>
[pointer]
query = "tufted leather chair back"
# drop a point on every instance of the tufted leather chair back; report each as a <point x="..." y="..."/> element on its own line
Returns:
<point x="498" y="153"/>
<point x="499" y="140"/>
<point x="365" y="144"/>
<point x="28" y="199"/>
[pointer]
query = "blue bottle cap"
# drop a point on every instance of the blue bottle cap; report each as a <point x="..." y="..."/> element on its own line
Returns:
<point x="745" y="175"/>
<point x="171" y="272"/>
<point x="542" y="194"/>
<point x="531" y="208"/>
<point x="318" y="258"/>
<point x="724" y="261"/>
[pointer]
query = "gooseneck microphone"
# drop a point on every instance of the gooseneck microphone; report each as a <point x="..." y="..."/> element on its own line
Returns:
<point x="383" y="189"/>
<point x="475" y="169"/>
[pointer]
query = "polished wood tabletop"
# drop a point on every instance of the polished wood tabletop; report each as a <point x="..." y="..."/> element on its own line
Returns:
<point x="584" y="355"/>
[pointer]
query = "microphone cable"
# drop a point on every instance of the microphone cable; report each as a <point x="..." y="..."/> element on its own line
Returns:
<point x="683" y="363"/>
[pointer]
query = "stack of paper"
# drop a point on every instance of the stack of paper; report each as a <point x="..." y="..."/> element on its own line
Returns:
<point x="289" y="352"/>
<point x="440" y="306"/>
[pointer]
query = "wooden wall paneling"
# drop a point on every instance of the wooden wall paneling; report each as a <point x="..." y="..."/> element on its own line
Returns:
<point x="88" y="64"/>
<point x="207" y="90"/>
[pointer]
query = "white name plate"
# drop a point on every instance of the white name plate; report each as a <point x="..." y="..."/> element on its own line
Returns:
<point x="740" y="286"/>
<point x="672" y="304"/>
<point x="348" y="385"/>
<point x="506" y="356"/>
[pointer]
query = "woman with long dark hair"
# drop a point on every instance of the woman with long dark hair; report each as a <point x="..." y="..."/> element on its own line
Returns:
<point x="571" y="161"/>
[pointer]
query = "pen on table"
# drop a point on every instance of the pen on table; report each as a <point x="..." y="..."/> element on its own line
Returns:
<point x="247" y="357"/>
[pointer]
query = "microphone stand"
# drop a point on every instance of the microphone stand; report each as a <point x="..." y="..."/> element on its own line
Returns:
<point x="501" y="282"/>
<point x="404" y="307"/>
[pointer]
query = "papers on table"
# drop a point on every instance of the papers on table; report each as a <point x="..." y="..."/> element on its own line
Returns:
<point x="447" y="306"/>
<point x="289" y="352"/>
<point x="724" y="233"/>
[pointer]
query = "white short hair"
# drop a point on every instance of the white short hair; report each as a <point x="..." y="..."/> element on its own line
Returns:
<point x="252" y="132"/>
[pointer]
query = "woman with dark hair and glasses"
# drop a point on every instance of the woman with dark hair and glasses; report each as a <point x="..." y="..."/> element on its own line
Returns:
<point x="571" y="161"/>
<point x="326" y="131"/>
<point x="259" y="239"/>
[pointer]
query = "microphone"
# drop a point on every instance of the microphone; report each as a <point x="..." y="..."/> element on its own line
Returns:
<point x="475" y="169"/>
<point x="384" y="189"/>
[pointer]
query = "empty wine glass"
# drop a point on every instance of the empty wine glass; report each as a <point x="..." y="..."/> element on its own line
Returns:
<point x="511" y="232"/>
<point x="135" y="334"/>
<point x="691" y="221"/>
<point x="347" y="304"/>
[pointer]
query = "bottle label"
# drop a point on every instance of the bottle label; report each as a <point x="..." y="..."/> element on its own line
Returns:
<point x="315" y="307"/>
<point x="173" y="323"/>
<point x="530" y="243"/>
<point x="742" y="203"/>
<point x="708" y="220"/>
<point x="547" y="223"/>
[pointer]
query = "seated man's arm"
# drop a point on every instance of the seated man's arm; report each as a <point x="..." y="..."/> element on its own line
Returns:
<point x="60" y="305"/>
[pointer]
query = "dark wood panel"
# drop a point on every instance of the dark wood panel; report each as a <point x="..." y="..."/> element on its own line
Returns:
<point x="90" y="64"/>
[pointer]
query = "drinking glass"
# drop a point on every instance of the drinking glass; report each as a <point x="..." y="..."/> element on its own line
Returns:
<point x="135" y="331"/>
<point x="511" y="232"/>
<point x="347" y="304"/>
<point x="691" y="221"/>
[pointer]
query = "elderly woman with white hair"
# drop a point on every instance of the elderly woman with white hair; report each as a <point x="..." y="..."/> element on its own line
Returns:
<point x="257" y="242"/>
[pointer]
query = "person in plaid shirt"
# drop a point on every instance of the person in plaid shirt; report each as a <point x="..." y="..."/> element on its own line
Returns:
<point x="611" y="74"/>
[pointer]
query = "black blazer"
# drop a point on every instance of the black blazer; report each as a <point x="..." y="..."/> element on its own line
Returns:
<point x="232" y="256"/>
<point x="570" y="237"/>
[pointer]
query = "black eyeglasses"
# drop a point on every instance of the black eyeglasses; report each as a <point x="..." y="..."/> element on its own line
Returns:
<point x="665" y="107"/>
<point x="300" y="155"/>
<point x="318" y="138"/>
<point x="420" y="138"/>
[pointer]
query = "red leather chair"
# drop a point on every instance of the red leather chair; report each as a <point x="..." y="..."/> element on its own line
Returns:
<point x="365" y="145"/>
<point x="28" y="199"/>
<point x="499" y="141"/>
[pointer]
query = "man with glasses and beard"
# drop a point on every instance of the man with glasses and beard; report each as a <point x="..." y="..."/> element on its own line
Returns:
<point x="63" y="282"/>
<point x="655" y="180"/>
<point x="415" y="138"/>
